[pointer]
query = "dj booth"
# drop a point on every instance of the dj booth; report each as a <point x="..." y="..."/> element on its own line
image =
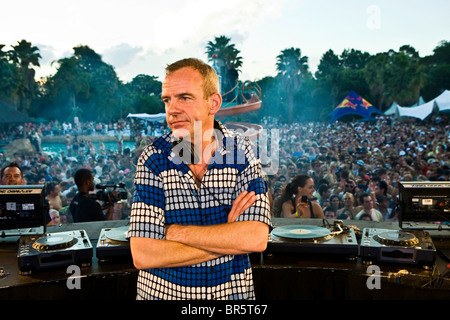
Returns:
<point x="278" y="275"/>
<point x="305" y="259"/>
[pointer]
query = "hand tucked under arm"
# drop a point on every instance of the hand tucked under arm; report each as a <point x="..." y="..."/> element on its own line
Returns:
<point x="228" y="238"/>
<point x="187" y="245"/>
<point x="242" y="202"/>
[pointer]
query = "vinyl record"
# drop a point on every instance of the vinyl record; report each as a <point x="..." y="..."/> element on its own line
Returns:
<point x="300" y="232"/>
<point x="395" y="237"/>
<point x="54" y="241"/>
<point x="117" y="234"/>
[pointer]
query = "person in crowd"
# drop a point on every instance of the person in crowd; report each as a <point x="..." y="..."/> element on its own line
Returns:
<point x="329" y="213"/>
<point x="318" y="170"/>
<point x="381" y="190"/>
<point x="54" y="217"/>
<point x="119" y="137"/>
<point x="348" y="212"/>
<point x="12" y="174"/>
<point x="53" y="195"/>
<point x="197" y="214"/>
<point x="350" y="186"/>
<point x="84" y="207"/>
<point x="366" y="217"/>
<point x="368" y="209"/>
<point x="65" y="215"/>
<point x="324" y="194"/>
<point x="383" y="205"/>
<point x="68" y="143"/>
<point x="358" y="200"/>
<point x="297" y="199"/>
<point x="335" y="202"/>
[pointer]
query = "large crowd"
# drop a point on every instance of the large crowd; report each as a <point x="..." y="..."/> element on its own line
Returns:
<point x="346" y="160"/>
<point x="355" y="159"/>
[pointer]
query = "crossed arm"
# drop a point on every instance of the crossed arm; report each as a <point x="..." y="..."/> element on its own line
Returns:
<point x="187" y="245"/>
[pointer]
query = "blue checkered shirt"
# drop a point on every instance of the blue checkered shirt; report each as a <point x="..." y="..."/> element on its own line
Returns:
<point x="166" y="193"/>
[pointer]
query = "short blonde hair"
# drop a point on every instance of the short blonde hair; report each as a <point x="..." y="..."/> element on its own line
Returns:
<point x="209" y="75"/>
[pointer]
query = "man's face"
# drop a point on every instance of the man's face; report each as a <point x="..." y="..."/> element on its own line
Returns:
<point x="378" y="190"/>
<point x="56" y="191"/>
<point x="318" y="166"/>
<point x="350" y="185"/>
<point x="91" y="185"/>
<point x="185" y="103"/>
<point x="12" y="176"/>
<point x="368" y="203"/>
<point x="347" y="199"/>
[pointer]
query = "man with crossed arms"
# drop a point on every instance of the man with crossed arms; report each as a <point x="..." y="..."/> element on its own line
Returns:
<point x="193" y="223"/>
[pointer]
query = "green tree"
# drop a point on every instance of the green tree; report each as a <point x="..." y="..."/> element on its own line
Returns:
<point x="376" y="74"/>
<point x="86" y="86"/>
<point x="406" y="78"/>
<point x="328" y="76"/>
<point x="340" y="74"/>
<point x="227" y="61"/>
<point x="354" y="59"/>
<point x="25" y="56"/>
<point x="437" y="71"/>
<point x="10" y="78"/>
<point x="395" y="76"/>
<point x="145" y="91"/>
<point x="291" y="67"/>
<point x="60" y="91"/>
<point x="270" y="99"/>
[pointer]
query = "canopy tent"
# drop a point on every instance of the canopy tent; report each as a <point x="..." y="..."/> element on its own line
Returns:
<point x="11" y="115"/>
<point x="353" y="104"/>
<point x="423" y="110"/>
<point x="393" y="108"/>
<point x="443" y="101"/>
<point x="159" y="117"/>
<point x="420" y="112"/>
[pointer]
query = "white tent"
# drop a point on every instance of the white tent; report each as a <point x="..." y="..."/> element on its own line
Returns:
<point x="159" y="117"/>
<point x="392" y="109"/>
<point x="443" y="101"/>
<point x="421" y="111"/>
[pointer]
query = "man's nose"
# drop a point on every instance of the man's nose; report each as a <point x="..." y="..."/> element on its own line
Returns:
<point x="173" y="107"/>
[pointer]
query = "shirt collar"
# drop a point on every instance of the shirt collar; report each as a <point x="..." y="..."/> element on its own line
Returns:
<point x="169" y="141"/>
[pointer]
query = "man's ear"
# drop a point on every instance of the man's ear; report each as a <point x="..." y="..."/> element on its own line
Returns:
<point x="215" y="101"/>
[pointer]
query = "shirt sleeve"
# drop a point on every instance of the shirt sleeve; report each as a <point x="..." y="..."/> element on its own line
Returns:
<point x="251" y="179"/>
<point x="147" y="210"/>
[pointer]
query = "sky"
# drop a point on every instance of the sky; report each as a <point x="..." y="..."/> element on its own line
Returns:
<point x="143" y="36"/>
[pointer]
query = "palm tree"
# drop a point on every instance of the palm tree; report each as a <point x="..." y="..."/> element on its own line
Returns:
<point x="291" y="67"/>
<point x="376" y="72"/>
<point x="228" y="61"/>
<point x="25" y="56"/>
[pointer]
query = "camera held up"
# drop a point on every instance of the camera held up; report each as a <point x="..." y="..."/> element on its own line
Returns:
<point x="111" y="193"/>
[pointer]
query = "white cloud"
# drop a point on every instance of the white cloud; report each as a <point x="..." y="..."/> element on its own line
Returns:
<point x="121" y="55"/>
<point x="142" y="36"/>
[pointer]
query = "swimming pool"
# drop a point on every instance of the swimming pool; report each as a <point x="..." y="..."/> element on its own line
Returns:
<point x="55" y="149"/>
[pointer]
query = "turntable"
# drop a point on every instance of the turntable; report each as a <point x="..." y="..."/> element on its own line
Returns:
<point x="338" y="240"/>
<point x="397" y="246"/>
<point x="418" y="202"/>
<point x="54" y="250"/>
<point x="113" y="244"/>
